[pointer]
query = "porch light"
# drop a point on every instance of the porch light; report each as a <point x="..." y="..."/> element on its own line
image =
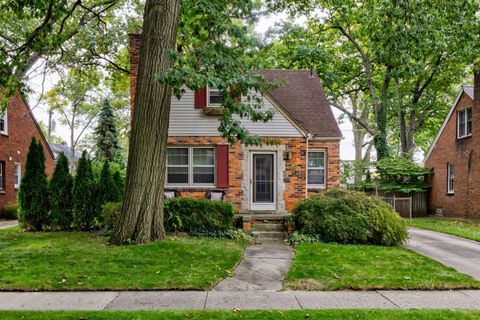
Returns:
<point x="287" y="155"/>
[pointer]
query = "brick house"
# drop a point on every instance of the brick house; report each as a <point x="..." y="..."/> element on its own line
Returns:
<point x="453" y="158"/>
<point x="269" y="178"/>
<point x="17" y="127"/>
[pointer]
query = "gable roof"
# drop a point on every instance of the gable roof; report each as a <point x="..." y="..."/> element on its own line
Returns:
<point x="465" y="89"/>
<point x="303" y="98"/>
<point x="60" y="147"/>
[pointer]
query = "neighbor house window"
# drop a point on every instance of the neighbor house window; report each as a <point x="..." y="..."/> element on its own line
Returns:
<point x="451" y="178"/>
<point x="464" y="121"/>
<point x="215" y="98"/>
<point x="3" y="123"/>
<point x="17" y="175"/>
<point x="2" y="175"/>
<point x="316" y="168"/>
<point x="190" y="166"/>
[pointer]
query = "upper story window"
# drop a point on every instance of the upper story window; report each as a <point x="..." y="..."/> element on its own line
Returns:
<point x="464" y="123"/>
<point x="17" y="175"/>
<point x="316" y="168"/>
<point x="191" y="166"/>
<point x="214" y="97"/>
<point x="3" y="123"/>
<point x="451" y="178"/>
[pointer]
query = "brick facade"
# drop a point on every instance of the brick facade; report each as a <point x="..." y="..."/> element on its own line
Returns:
<point x="464" y="155"/>
<point x="294" y="175"/>
<point x="14" y="147"/>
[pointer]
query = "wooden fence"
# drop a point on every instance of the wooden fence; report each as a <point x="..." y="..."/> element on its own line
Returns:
<point x="416" y="207"/>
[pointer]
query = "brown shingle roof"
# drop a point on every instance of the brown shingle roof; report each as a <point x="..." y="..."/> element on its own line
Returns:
<point x="303" y="98"/>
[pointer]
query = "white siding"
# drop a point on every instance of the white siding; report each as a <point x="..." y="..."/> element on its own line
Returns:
<point x="185" y="120"/>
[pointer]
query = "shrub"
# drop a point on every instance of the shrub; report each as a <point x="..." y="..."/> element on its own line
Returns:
<point x="107" y="191"/>
<point x="9" y="212"/>
<point x="60" y="189"/>
<point x="350" y="217"/>
<point x="234" y="234"/>
<point x="296" y="238"/>
<point x="33" y="196"/>
<point x="110" y="214"/>
<point x="84" y="195"/>
<point x="119" y="182"/>
<point x="191" y="215"/>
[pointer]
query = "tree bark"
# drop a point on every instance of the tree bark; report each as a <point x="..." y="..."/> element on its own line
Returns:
<point x="141" y="219"/>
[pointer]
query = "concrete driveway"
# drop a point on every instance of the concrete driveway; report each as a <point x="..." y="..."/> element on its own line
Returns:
<point x="458" y="253"/>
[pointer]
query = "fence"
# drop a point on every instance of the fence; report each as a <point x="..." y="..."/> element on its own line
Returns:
<point x="401" y="205"/>
<point x="418" y="199"/>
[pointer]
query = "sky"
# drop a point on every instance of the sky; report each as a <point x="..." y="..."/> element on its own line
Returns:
<point x="347" y="150"/>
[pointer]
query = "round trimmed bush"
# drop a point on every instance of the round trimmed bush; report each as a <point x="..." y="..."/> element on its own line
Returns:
<point x="350" y="217"/>
<point x="9" y="212"/>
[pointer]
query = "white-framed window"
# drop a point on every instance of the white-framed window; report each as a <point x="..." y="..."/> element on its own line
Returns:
<point x="464" y="123"/>
<point x="17" y="175"/>
<point x="190" y="166"/>
<point x="3" y="122"/>
<point x="450" y="178"/>
<point x="214" y="97"/>
<point x="2" y="175"/>
<point x="316" y="160"/>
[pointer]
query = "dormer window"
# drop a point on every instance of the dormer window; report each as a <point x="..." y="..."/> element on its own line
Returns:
<point x="215" y="98"/>
<point x="3" y="123"/>
<point x="464" y="123"/>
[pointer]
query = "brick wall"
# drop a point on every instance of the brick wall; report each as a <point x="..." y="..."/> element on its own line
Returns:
<point x="14" y="147"/>
<point x="294" y="175"/>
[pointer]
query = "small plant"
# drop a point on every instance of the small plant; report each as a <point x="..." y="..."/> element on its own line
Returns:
<point x="290" y="223"/>
<point x="234" y="234"/>
<point x="110" y="214"/>
<point x="296" y="238"/>
<point x="9" y="212"/>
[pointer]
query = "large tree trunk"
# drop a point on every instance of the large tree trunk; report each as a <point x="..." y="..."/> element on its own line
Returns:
<point x="381" y="144"/>
<point x="142" y="213"/>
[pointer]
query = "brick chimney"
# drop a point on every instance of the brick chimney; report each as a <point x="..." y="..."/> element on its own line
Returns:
<point x="134" y="41"/>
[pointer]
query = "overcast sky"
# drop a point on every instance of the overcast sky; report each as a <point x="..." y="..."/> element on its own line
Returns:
<point x="346" y="148"/>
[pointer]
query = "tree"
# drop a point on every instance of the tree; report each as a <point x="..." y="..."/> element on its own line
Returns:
<point x="107" y="190"/>
<point x="106" y="135"/>
<point x="212" y="47"/>
<point x="33" y="195"/>
<point x="119" y="182"/>
<point x="84" y="195"/>
<point x="402" y="56"/>
<point x="60" y="189"/>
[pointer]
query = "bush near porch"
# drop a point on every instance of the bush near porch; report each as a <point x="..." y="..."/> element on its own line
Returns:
<point x="84" y="261"/>
<point x="350" y="217"/>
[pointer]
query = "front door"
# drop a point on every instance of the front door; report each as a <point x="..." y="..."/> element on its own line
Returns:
<point x="263" y="181"/>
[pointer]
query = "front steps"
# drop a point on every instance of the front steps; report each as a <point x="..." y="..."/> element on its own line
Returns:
<point x="266" y="226"/>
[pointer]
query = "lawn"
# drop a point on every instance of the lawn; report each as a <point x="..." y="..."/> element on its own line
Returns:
<point x="336" y="267"/>
<point x="462" y="228"/>
<point x="84" y="261"/>
<point x="224" y="315"/>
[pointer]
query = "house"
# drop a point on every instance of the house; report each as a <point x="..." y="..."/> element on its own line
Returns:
<point x="17" y="127"/>
<point x="63" y="147"/>
<point x="268" y="178"/>
<point x="454" y="158"/>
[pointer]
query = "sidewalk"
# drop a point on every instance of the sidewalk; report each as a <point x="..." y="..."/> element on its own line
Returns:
<point x="244" y="300"/>
<point x="5" y="224"/>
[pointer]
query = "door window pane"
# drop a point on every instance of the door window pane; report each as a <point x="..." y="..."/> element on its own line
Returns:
<point x="264" y="176"/>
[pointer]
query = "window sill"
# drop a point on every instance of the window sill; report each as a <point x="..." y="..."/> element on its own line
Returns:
<point x="211" y="110"/>
<point x="3" y="191"/>
<point x="449" y="194"/>
<point x="464" y="137"/>
<point x="194" y="188"/>
<point x="4" y="133"/>
<point x="316" y="188"/>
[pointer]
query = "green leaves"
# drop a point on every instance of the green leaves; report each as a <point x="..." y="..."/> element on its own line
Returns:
<point x="399" y="174"/>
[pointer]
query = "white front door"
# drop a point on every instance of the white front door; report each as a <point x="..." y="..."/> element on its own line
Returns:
<point x="263" y="180"/>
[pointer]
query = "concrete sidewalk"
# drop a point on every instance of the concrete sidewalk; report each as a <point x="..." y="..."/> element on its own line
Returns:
<point x="459" y="253"/>
<point x="244" y="300"/>
<point x="5" y="224"/>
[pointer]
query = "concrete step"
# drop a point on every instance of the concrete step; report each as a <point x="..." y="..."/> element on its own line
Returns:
<point x="269" y="235"/>
<point x="268" y="227"/>
<point x="265" y="217"/>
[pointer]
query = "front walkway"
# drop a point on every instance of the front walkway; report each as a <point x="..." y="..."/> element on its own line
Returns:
<point x="243" y="300"/>
<point x="263" y="267"/>
<point x="5" y="224"/>
<point x="459" y="253"/>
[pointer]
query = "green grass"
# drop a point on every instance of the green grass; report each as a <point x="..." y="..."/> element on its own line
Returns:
<point x="359" y="267"/>
<point x="84" y="261"/>
<point x="268" y="315"/>
<point x="462" y="228"/>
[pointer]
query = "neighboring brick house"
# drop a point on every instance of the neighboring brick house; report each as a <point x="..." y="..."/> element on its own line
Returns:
<point x="269" y="178"/>
<point x="17" y="127"/>
<point x="454" y="158"/>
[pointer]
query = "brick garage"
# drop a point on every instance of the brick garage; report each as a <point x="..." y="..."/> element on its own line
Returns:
<point x="21" y="126"/>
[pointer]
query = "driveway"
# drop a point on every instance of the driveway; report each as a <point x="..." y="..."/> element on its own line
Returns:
<point x="458" y="253"/>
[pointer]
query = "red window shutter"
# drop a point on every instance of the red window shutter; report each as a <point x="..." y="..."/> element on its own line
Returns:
<point x="201" y="98"/>
<point x="222" y="166"/>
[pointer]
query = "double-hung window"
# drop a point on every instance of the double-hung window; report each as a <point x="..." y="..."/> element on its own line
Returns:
<point x="316" y="168"/>
<point x="3" y="122"/>
<point x="191" y="166"/>
<point x="2" y="175"/>
<point x="451" y="178"/>
<point x="17" y="175"/>
<point x="214" y="96"/>
<point x="464" y="123"/>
